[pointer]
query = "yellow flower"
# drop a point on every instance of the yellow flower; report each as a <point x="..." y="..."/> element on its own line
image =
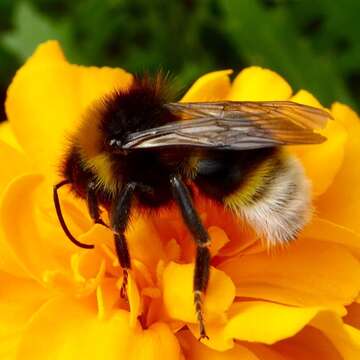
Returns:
<point x="61" y="302"/>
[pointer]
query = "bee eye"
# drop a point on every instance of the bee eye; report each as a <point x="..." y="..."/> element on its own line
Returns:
<point x="115" y="143"/>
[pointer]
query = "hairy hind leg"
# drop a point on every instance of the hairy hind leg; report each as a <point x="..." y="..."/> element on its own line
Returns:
<point x="201" y="237"/>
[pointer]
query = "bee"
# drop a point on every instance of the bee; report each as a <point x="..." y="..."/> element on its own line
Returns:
<point x="139" y="148"/>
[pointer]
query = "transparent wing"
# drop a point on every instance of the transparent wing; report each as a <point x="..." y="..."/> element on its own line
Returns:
<point x="235" y="125"/>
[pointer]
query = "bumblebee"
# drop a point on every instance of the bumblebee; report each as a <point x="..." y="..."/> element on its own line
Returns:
<point x="138" y="148"/>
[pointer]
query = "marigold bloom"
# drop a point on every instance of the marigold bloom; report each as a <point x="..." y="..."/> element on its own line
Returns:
<point x="61" y="302"/>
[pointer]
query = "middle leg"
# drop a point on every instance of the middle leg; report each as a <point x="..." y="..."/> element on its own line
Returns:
<point x="120" y="215"/>
<point x="202" y="239"/>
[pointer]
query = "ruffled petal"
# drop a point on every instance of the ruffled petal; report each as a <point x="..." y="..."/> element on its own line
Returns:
<point x="195" y="350"/>
<point x="16" y="164"/>
<point x="309" y="343"/>
<point x="47" y="98"/>
<point x="134" y="301"/>
<point x="210" y="87"/>
<point x="341" y="203"/>
<point x="7" y="135"/>
<point x="267" y="352"/>
<point x="20" y="299"/>
<point x="218" y="340"/>
<point x="354" y="334"/>
<point x="234" y="233"/>
<point x="321" y="162"/>
<point x="267" y="322"/>
<point x="9" y="261"/>
<point x="31" y="229"/>
<point x="306" y="98"/>
<point x="141" y="234"/>
<point x="308" y="273"/>
<point x="219" y="239"/>
<point x="329" y="154"/>
<point x="353" y="315"/>
<point x="145" y="243"/>
<point x="258" y="84"/>
<point x="157" y="342"/>
<point x="68" y="329"/>
<point x="331" y="325"/>
<point x="178" y="293"/>
<point x="327" y="231"/>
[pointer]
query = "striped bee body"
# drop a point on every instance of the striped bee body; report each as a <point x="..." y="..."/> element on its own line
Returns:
<point x="265" y="187"/>
<point x="138" y="148"/>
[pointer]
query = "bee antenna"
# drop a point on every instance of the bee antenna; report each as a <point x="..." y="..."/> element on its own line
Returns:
<point x="61" y="218"/>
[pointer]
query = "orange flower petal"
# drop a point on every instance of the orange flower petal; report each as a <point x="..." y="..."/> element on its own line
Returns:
<point x="107" y="299"/>
<point x="217" y="338"/>
<point x="218" y="238"/>
<point x="178" y="293"/>
<point x="194" y="349"/>
<point x="267" y="322"/>
<point x="309" y="343"/>
<point x="43" y="112"/>
<point x="231" y="230"/>
<point x="210" y="87"/>
<point x="134" y="301"/>
<point x="145" y="243"/>
<point x="307" y="273"/>
<point x="332" y="326"/>
<point x="257" y="84"/>
<point x="16" y="164"/>
<point x="157" y="342"/>
<point x="341" y="203"/>
<point x="354" y="334"/>
<point x="38" y="244"/>
<point x="77" y="333"/>
<point x="327" y="231"/>
<point x="9" y="262"/>
<point x="306" y="98"/>
<point x="7" y="135"/>
<point x="16" y="310"/>
<point x="321" y="162"/>
<point x="353" y="315"/>
<point x="267" y="352"/>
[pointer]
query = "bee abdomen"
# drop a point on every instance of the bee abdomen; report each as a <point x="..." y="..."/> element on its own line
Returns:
<point x="278" y="205"/>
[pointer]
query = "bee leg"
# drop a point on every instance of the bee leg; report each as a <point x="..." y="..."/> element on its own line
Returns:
<point x="120" y="214"/>
<point x="93" y="204"/>
<point x="61" y="218"/>
<point x="201" y="278"/>
<point x="202" y="263"/>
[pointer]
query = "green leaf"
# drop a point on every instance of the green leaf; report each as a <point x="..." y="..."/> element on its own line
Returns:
<point x="32" y="28"/>
<point x="269" y="38"/>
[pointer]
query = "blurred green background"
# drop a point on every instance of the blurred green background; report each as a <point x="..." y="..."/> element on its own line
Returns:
<point x="314" y="44"/>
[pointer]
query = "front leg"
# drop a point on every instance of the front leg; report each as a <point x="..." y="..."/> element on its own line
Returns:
<point x="120" y="215"/>
<point x="93" y="204"/>
<point x="202" y="239"/>
<point x="61" y="218"/>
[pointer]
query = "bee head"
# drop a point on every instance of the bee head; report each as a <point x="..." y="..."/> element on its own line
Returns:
<point x="109" y="122"/>
<point x="117" y="123"/>
<point x="139" y="108"/>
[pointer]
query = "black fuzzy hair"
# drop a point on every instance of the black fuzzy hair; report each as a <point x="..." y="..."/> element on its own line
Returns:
<point x="140" y="107"/>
